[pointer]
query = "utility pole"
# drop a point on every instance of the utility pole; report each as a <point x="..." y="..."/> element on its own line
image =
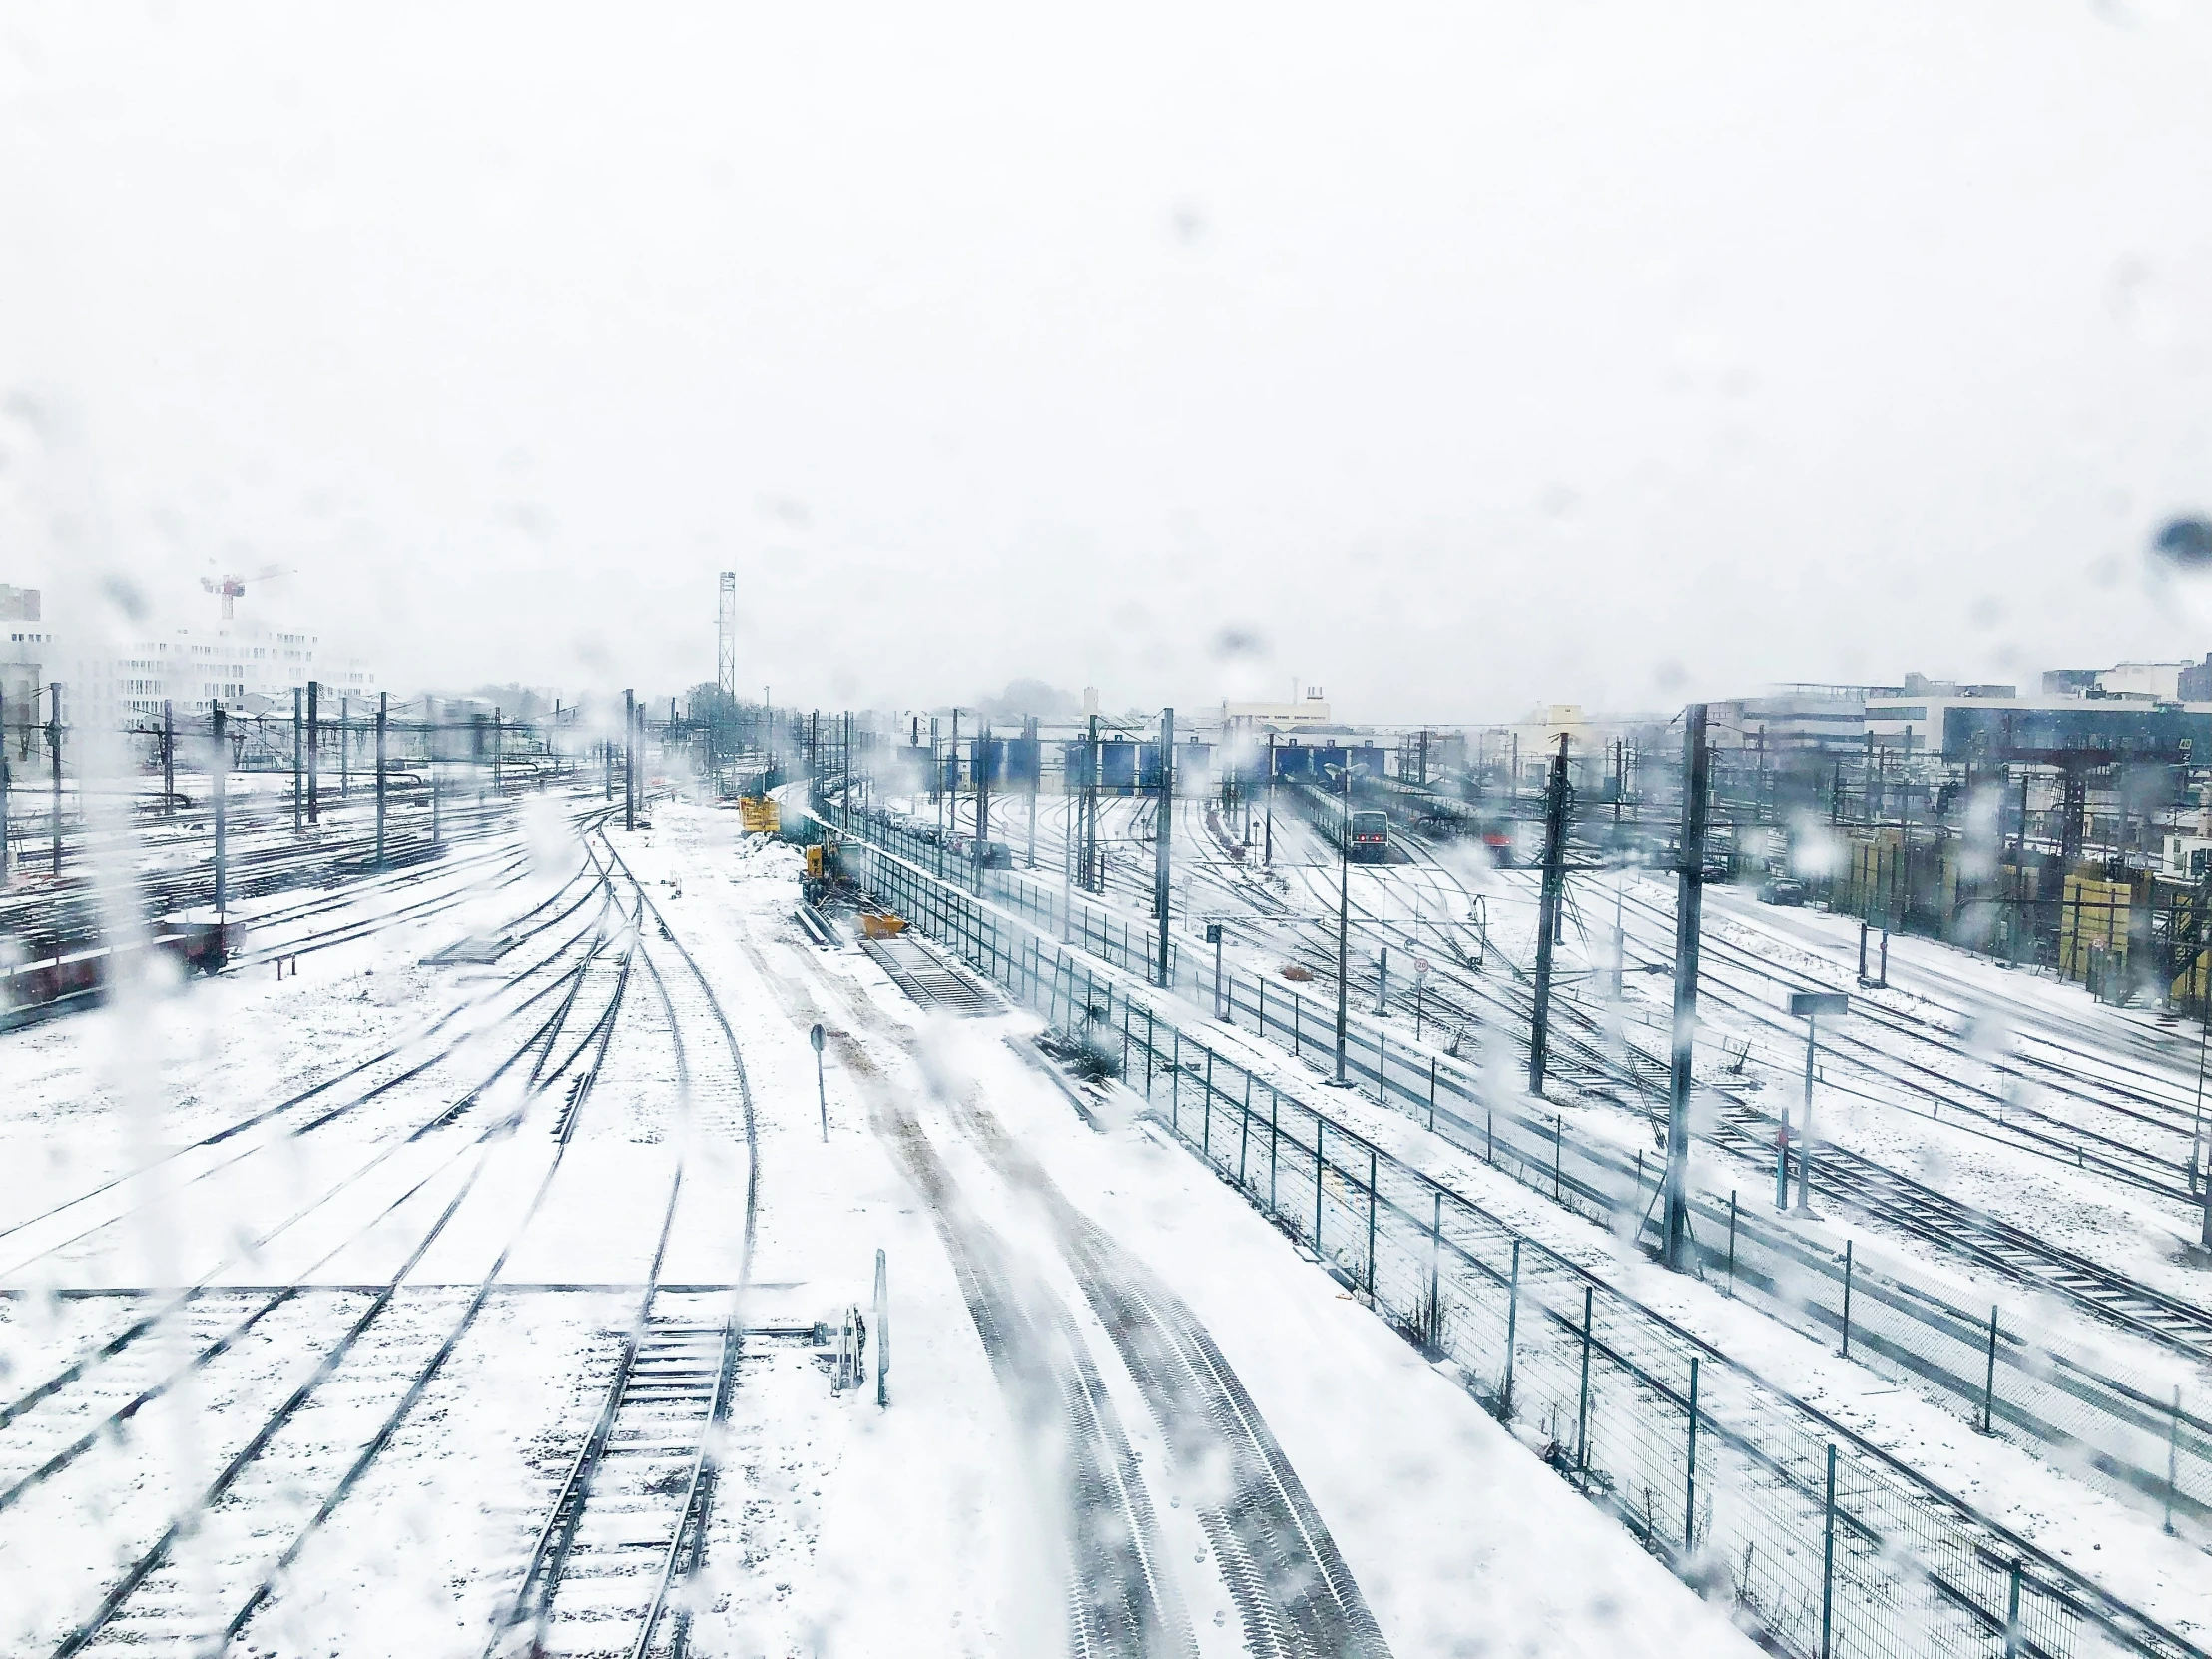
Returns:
<point x="299" y="758"/>
<point x="54" y="741"/>
<point x="1344" y="920"/>
<point x="1094" y="879"/>
<point x="982" y="803"/>
<point x="218" y="768"/>
<point x="2204" y="1038"/>
<point x="1547" y="914"/>
<point x="169" y="759"/>
<point x="629" y="759"/>
<point x="1034" y="750"/>
<point x="383" y="721"/>
<point x="345" y="747"/>
<point x="1688" y="912"/>
<point x="499" y="775"/>
<point x="315" y="750"/>
<point x="1070" y="840"/>
<point x="1166" y="837"/>
<point x="3" y="788"/>
<point x="1267" y="854"/>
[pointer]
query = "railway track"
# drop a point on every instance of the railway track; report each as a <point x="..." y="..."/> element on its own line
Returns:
<point x="1473" y="999"/>
<point x="1293" y="1593"/>
<point x="641" y="1486"/>
<point x="1640" y="1083"/>
<point x="1293" y="1590"/>
<point x="2015" y="1117"/>
<point x="333" y="1099"/>
<point x="68" y="929"/>
<point x="392" y="1343"/>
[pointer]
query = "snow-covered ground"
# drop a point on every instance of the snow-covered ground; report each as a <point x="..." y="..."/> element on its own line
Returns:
<point x="418" y="1281"/>
<point x="1947" y="1014"/>
<point x="2041" y="1499"/>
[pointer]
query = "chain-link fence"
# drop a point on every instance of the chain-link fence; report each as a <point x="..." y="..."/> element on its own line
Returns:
<point x="1822" y="1543"/>
<point x="2141" y="1434"/>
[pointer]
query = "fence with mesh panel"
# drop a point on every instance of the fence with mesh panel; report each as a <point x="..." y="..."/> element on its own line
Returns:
<point x="2139" y="1432"/>
<point x="1826" y="1544"/>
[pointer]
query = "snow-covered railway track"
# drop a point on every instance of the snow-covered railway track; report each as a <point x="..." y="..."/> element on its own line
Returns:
<point x="221" y="1536"/>
<point x="254" y="872"/>
<point x="67" y="1230"/>
<point x="1582" y="1060"/>
<point x="629" y="1523"/>
<point x="1293" y="1591"/>
<point x="2015" y="1117"/>
<point x="1123" y="1599"/>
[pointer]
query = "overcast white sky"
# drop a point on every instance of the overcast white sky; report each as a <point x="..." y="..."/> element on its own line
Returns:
<point x="1466" y="355"/>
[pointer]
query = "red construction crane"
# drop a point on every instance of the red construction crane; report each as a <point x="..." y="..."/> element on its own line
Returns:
<point x="233" y="587"/>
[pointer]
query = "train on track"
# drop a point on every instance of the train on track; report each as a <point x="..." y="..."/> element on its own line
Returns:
<point x="55" y="975"/>
<point x="1361" y="833"/>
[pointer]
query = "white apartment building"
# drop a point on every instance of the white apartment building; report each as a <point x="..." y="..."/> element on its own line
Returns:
<point x="1309" y="714"/>
<point x="26" y="649"/>
<point x="248" y="664"/>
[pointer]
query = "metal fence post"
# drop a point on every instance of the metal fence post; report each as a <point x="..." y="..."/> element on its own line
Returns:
<point x="1244" y="1130"/>
<point x="1175" y="1081"/>
<point x="1731" y="1241"/>
<point x="1431" y="1094"/>
<point x="1435" y="1273"/>
<point x="1371" y="1223"/>
<point x="1274" y="1102"/>
<point x="1827" y="1555"/>
<point x="2173" y="1457"/>
<point x="2013" y="1616"/>
<point x="1689" y="1495"/>
<point x="1317" y="1182"/>
<point x="1846" y="1299"/>
<point x="1513" y="1333"/>
<point x="1990" y="1380"/>
<point x="1583" y="1410"/>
